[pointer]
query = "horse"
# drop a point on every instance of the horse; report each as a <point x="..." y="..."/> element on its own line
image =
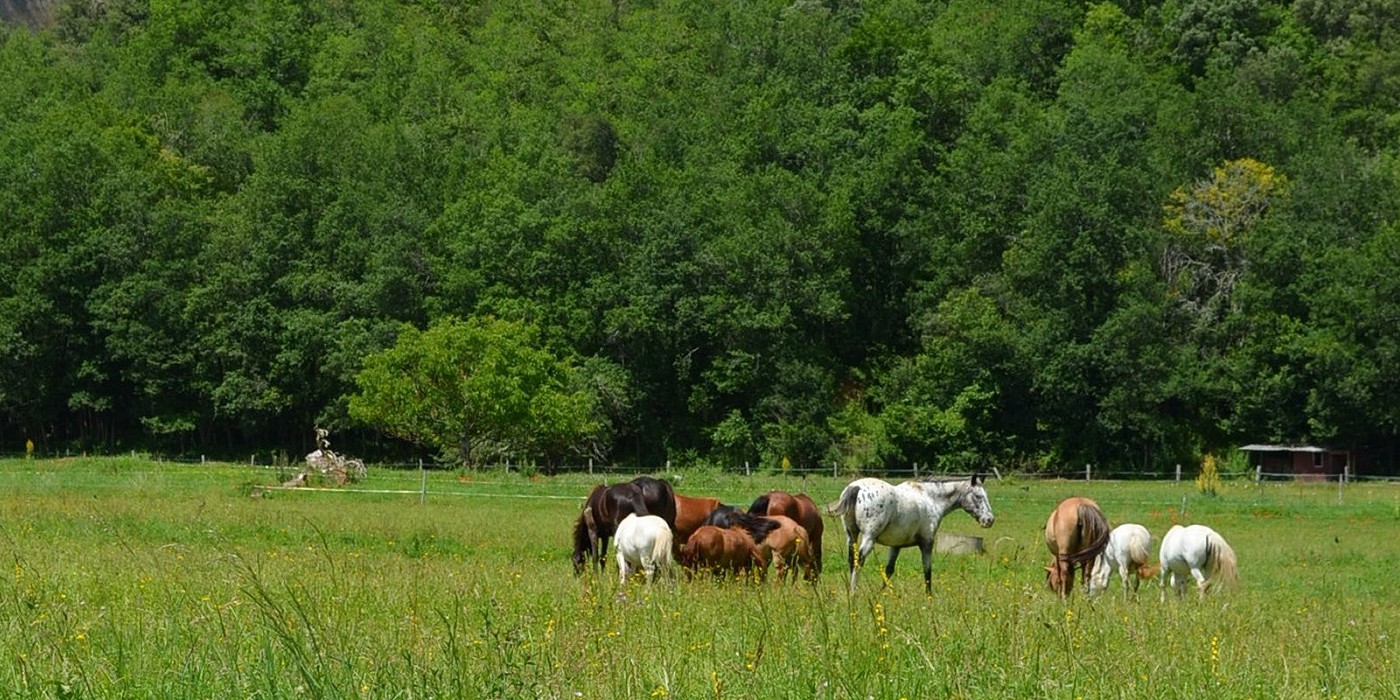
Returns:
<point x="1127" y="553"/>
<point x="801" y="509"/>
<point x="1075" y="533"/>
<point x="874" y="511"/>
<point x="790" y="547"/>
<point x="722" y="550"/>
<point x="606" y="506"/>
<point x="1198" y="552"/>
<point x="729" y="516"/>
<point x="691" y="513"/>
<point x="644" y="542"/>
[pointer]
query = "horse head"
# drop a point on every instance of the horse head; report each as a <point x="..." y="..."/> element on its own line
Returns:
<point x="974" y="501"/>
<point x="585" y="533"/>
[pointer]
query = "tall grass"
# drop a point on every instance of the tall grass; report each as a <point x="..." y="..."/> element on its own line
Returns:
<point x="124" y="578"/>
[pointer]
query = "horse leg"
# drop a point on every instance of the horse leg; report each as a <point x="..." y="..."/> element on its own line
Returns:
<point x="860" y="555"/>
<point x="602" y="553"/>
<point x="926" y="550"/>
<point x="889" y="565"/>
<point x="1201" y="583"/>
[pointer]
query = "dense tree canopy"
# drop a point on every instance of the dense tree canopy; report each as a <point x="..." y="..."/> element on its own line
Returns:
<point x="955" y="232"/>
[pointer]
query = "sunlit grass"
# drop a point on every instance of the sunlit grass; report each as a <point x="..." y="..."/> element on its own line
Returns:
<point x="128" y="579"/>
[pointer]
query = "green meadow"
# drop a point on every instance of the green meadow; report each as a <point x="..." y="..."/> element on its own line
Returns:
<point x="127" y="578"/>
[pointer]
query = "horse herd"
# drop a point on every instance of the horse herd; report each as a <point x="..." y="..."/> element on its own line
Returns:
<point x="1077" y="533"/>
<point x="655" y="528"/>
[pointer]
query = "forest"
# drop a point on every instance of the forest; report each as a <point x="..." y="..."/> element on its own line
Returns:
<point x="961" y="233"/>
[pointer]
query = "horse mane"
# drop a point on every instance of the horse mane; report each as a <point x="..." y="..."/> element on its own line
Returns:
<point x="758" y="527"/>
<point x="582" y="542"/>
<point x="760" y="505"/>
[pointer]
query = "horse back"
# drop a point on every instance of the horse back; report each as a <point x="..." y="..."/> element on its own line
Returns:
<point x="658" y="497"/>
<point x="691" y="513"/>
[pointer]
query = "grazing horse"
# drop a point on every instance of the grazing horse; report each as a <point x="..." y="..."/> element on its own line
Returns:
<point x="644" y="542"/>
<point x="729" y="516"/>
<point x="1127" y="553"/>
<point x="1198" y="552"/>
<point x="801" y="509"/>
<point x="606" y="506"/>
<point x="691" y="513"/>
<point x="722" y="550"/>
<point x="1075" y="533"/>
<point x="874" y="511"/>
<point x="790" y="547"/>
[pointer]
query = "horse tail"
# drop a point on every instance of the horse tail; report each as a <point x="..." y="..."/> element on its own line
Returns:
<point x="760" y="505"/>
<point x="661" y="553"/>
<point x="1093" y="527"/>
<point x="846" y="502"/>
<point x="1223" y="566"/>
<point x="1138" y="554"/>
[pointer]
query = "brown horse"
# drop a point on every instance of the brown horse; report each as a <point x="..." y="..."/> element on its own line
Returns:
<point x="1076" y="533"/>
<point x="801" y="509"/>
<point x="606" y="506"/>
<point x="790" y="547"/>
<point x="691" y="513"/>
<point x="722" y="551"/>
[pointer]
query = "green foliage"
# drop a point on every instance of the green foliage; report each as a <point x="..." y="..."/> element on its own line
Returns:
<point x="954" y="233"/>
<point x="479" y="389"/>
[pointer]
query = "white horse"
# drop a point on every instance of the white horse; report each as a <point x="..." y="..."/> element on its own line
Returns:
<point x="875" y="511"/>
<point x="1195" y="552"/>
<point x="643" y="542"/>
<point x="1127" y="553"/>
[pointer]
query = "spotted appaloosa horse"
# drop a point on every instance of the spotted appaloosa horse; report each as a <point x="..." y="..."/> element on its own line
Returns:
<point x="606" y="506"/>
<point x="1075" y="533"/>
<point x="874" y="511"/>
<point x="722" y="551"/>
<point x="802" y="510"/>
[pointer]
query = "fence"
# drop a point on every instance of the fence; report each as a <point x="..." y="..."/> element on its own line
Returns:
<point x="915" y="471"/>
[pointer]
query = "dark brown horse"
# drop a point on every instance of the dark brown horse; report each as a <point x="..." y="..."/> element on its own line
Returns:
<point x="691" y="513"/>
<point x="722" y="551"/>
<point x="606" y="506"/>
<point x="1075" y="533"/>
<point x="801" y="509"/>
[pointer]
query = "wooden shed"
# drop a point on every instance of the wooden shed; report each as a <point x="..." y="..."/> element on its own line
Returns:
<point x="1299" y="461"/>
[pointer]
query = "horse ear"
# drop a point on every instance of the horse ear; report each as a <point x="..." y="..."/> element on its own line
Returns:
<point x="977" y="479"/>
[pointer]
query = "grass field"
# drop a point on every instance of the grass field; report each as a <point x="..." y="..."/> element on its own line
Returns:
<point x="125" y="578"/>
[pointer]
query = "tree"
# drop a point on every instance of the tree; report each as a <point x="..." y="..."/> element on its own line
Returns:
<point x="476" y="389"/>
